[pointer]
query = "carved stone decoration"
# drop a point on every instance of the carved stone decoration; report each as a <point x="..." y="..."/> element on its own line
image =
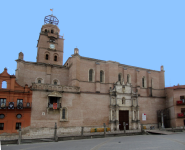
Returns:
<point x="122" y="96"/>
<point x="55" y="94"/>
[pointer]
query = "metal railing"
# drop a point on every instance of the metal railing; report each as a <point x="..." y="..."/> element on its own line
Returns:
<point x="51" y="105"/>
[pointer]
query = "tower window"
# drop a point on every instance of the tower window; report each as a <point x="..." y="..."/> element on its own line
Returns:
<point x="52" y="31"/>
<point x="101" y="76"/>
<point x="119" y="77"/>
<point x="46" y="30"/>
<point x="55" y="58"/>
<point x="47" y="56"/>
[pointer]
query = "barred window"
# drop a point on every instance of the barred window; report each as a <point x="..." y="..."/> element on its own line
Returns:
<point x="101" y="76"/>
<point x="90" y="75"/>
<point x="63" y="114"/>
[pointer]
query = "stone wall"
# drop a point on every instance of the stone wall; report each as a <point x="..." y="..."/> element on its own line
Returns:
<point x="83" y="110"/>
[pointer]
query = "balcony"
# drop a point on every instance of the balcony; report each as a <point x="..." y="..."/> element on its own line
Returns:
<point x="51" y="105"/>
<point x="180" y="103"/>
<point x="13" y="105"/>
<point x="180" y="115"/>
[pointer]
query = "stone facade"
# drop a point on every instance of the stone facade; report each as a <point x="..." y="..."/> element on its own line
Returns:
<point x="82" y="87"/>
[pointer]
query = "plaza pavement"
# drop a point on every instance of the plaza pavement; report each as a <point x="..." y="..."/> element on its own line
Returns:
<point x="138" y="142"/>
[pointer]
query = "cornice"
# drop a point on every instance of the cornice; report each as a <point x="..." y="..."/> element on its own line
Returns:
<point x="41" y="64"/>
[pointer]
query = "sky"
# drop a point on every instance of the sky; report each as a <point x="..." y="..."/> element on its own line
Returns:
<point x="142" y="33"/>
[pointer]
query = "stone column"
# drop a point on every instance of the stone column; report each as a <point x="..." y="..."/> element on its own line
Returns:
<point x="117" y="117"/>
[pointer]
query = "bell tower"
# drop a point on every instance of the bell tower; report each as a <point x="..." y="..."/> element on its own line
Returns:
<point x="50" y="44"/>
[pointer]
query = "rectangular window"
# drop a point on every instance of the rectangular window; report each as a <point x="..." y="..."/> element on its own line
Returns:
<point x="182" y="98"/>
<point x="1" y="126"/>
<point x="2" y="102"/>
<point x="183" y="110"/>
<point x="18" y="124"/>
<point x="19" y="101"/>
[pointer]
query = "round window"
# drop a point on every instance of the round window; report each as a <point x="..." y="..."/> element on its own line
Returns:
<point x="19" y="116"/>
<point x="2" y="116"/>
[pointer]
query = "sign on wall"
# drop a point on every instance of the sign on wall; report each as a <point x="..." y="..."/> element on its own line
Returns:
<point x="143" y="116"/>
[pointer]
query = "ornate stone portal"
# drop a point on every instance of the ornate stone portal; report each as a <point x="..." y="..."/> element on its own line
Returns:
<point x="123" y="107"/>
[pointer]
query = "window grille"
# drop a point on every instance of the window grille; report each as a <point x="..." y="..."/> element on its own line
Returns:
<point x="39" y="81"/>
<point x="55" y="82"/>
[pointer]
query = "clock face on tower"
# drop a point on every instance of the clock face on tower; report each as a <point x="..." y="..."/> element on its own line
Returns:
<point x="52" y="46"/>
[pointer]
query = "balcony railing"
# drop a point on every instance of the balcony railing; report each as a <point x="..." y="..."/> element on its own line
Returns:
<point x="180" y="115"/>
<point x="13" y="105"/>
<point x="180" y="103"/>
<point x="51" y="105"/>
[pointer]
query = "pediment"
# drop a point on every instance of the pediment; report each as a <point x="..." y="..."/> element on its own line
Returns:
<point x="55" y="94"/>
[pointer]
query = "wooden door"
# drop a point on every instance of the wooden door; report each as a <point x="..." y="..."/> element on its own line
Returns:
<point x="123" y="117"/>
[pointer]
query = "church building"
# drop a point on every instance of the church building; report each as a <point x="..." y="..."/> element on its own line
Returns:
<point x="86" y="91"/>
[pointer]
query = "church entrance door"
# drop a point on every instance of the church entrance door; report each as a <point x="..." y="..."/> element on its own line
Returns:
<point x="123" y="117"/>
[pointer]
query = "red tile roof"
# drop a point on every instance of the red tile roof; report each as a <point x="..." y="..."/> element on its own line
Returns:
<point x="176" y="87"/>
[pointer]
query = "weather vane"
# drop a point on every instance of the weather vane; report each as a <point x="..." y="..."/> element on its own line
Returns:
<point x="52" y="10"/>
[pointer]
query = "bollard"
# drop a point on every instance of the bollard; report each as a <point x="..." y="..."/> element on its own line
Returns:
<point x="104" y="129"/>
<point x="19" y="139"/>
<point x="124" y="127"/>
<point x="55" y="133"/>
<point x="82" y="131"/>
<point x="142" y="130"/>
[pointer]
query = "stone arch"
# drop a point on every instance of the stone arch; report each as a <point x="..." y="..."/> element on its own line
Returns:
<point x="57" y="82"/>
<point x="55" y="57"/>
<point x="39" y="80"/>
